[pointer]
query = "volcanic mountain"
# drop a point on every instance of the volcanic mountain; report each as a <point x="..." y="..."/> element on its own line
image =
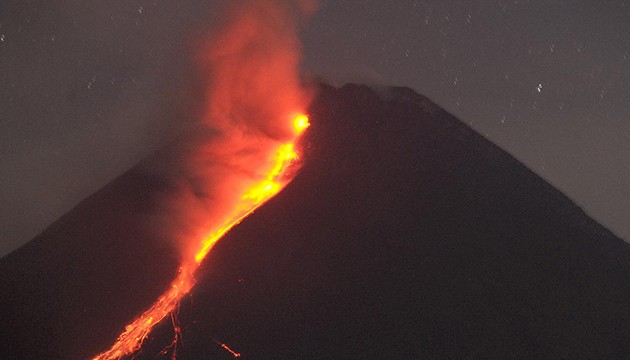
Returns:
<point x="405" y="235"/>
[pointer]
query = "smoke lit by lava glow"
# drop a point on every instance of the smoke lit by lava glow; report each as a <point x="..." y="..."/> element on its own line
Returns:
<point x="257" y="104"/>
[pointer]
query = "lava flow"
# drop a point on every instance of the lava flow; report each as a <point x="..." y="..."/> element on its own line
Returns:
<point x="255" y="104"/>
<point x="136" y="332"/>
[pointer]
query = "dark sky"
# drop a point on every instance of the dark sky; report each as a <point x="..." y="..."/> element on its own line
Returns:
<point x="88" y="88"/>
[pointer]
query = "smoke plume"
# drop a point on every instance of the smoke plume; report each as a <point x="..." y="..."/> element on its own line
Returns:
<point x="252" y="91"/>
<point x="236" y="155"/>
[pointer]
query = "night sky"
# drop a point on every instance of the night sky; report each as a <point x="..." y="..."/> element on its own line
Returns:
<point x="89" y="88"/>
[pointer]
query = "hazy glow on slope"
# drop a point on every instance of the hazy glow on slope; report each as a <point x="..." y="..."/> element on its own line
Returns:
<point x="254" y="196"/>
<point x="137" y="331"/>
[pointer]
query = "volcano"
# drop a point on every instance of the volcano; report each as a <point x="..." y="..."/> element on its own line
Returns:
<point x="405" y="235"/>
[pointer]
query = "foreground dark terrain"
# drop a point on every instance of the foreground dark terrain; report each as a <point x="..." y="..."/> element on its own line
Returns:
<point x="406" y="235"/>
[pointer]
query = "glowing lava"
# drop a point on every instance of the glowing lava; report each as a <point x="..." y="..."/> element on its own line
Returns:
<point x="137" y="331"/>
<point x="227" y="348"/>
<point x="254" y="103"/>
<point x="300" y="122"/>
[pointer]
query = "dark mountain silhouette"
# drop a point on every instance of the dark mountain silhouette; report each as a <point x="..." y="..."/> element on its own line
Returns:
<point x="406" y="235"/>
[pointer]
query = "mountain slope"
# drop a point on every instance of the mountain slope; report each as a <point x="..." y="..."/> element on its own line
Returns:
<point x="73" y="286"/>
<point x="405" y="235"/>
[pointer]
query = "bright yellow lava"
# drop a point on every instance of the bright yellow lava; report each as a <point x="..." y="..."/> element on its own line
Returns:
<point x="300" y="123"/>
<point x="137" y="331"/>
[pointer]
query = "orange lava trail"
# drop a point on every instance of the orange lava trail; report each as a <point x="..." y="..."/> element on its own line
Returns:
<point x="275" y="180"/>
<point x="227" y="348"/>
<point x="177" y="337"/>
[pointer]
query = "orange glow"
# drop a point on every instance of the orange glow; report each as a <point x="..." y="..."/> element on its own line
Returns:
<point x="136" y="332"/>
<point x="253" y="197"/>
